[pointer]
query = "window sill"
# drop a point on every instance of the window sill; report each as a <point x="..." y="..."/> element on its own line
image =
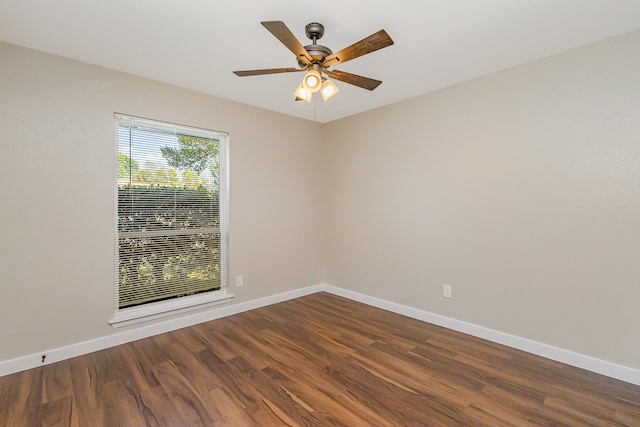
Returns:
<point x="130" y="316"/>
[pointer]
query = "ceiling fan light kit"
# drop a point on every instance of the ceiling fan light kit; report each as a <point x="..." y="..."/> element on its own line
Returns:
<point x="316" y="60"/>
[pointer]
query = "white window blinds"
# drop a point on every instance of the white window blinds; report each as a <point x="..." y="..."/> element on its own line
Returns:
<point x="171" y="219"/>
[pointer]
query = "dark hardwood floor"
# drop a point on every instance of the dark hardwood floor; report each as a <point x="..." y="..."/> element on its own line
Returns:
<point x="320" y="360"/>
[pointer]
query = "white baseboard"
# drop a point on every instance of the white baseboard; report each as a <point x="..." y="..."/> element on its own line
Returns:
<point x="589" y="363"/>
<point x="73" y="350"/>
<point x="578" y="360"/>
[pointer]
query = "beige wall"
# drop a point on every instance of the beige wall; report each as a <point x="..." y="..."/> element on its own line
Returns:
<point x="57" y="167"/>
<point x="520" y="189"/>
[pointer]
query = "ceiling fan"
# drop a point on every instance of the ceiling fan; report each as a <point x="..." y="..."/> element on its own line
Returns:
<point x="316" y="60"/>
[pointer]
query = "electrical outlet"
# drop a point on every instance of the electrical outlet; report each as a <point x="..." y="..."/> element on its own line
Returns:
<point x="239" y="281"/>
<point x="447" y="291"/>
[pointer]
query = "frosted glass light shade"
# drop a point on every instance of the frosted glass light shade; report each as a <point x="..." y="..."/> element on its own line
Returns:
<point x="312" y="81"/>
<point x="328" y="89"/>
<point x="303" y="94"/>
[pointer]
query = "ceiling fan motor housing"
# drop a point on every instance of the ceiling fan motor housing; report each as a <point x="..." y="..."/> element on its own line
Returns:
<point x="318" y="52"/>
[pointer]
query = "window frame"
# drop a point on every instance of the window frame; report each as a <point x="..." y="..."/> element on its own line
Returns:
<point x="159" y="309"/>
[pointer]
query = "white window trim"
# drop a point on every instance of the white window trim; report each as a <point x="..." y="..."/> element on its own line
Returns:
<point x="160" y="309"/>
<point x="144" y="313"/>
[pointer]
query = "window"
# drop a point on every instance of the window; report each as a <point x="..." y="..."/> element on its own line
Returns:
<point x="171" y="220"/>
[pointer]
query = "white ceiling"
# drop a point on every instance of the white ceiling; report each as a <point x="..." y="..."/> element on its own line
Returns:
<point x="197" y="44"/>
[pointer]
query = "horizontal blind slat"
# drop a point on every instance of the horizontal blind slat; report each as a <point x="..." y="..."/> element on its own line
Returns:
<point x="185" y="232"/>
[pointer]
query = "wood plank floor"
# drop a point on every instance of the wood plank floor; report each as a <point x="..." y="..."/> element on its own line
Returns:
<point x="320" y="360"/>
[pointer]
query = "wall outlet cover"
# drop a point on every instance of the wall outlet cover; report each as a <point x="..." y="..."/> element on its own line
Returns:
<point x="447" y="291"/>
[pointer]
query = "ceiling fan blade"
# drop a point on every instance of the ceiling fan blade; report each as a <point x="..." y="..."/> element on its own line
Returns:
<point x="286" y="37"/>
<point x="369" y="44"/>
<point x="267" y="71"/>
<point x="354" y="79"/>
